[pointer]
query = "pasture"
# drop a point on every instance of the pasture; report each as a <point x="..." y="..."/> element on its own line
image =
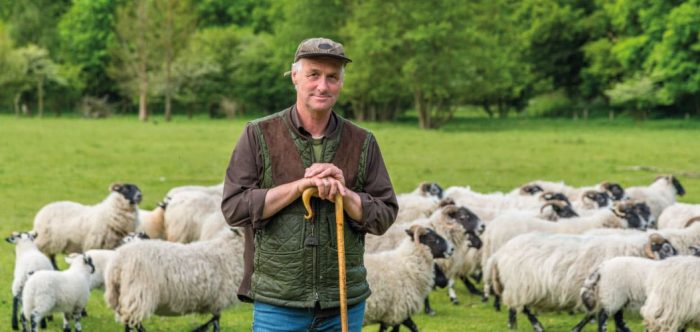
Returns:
<point x="46" y="160"/>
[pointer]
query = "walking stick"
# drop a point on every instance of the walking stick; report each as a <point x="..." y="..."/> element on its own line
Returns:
<point x="306" y="198"/>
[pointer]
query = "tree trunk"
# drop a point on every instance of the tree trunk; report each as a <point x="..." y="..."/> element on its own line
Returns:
<point x="40" y="93"/>
<point x="585" y="113"/>
<point x="611" y="115"/>
<point x="423" y="117"/>
<point x="168" y="59"/>
<point x="487" y="109"/>
<point x="17" y="108"/>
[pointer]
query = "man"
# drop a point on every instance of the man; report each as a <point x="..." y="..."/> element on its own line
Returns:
<point x="290" y="263"/>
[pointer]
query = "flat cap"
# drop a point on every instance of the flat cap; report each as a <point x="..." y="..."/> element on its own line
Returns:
<point x="320" y="47"/>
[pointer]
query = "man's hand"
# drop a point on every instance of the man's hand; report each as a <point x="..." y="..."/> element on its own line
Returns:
<point x="323" y="170"/>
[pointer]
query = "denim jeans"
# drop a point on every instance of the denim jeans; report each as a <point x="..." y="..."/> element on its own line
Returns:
<point x="272" y="318"/>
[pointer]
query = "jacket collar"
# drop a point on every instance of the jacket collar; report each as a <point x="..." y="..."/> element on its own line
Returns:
<point x="293" y="118"/>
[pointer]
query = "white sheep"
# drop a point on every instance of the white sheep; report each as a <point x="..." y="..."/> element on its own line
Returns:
<point x="398" y="292"/>
<point x="193" y="216"/>
<point x="420" y="203"/>
<point x="673" y="295"/>
<point x="28" y="259"/>
<point x="506" y="227"/>
<point x="614" y="190"/>
<point x="619" y="283"/>
<point x="58" y="291"/>
<point x="165" y="278"/>
<point x="659" y="195"/>
<point x="678" y="215"/>
<point x="74" y="227"/>
<point x="547" y="270"/>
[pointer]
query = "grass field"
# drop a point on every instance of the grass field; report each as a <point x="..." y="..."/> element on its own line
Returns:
<point x="45" y="160"/>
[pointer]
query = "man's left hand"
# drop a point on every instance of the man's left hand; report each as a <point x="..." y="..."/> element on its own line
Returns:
<point x="322" y="170"/>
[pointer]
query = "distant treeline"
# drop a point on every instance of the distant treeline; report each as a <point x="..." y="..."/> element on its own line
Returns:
<point x="224" y="57"/>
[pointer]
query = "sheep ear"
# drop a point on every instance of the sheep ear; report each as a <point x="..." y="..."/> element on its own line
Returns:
<point x="33" y="235"/>
<point x="115" y="186"/>
<point x="446" y="202"/>
<point x="12" y="238"/>
<point x="450" y="211"/>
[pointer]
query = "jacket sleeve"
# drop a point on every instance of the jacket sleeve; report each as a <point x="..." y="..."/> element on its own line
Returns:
<point x="379" y="206"/>
<point x="243" y="199"/>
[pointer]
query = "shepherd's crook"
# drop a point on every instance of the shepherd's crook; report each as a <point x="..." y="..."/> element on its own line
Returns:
<point x="306" y="198"/>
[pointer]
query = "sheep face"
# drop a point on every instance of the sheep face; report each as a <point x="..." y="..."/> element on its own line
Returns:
<point x="474" y="240"/>
<point x="634" y="213"/>
<point x="561" y="208"/>
<point x="439" y="247"/>
<point x="659" y="248"/>
<point x="465" y="217"/>
<point x="614" y="190"/>
<point x="599" y="198"/>
<point x="17" y="236"/>
<point x="644" y="212"/>
<point x="672" y="181"/>
<point x="530" y="189"/>
<point x="130" y="192"/>
<point x="550" y="196"/>
<point x="694" y="250"/>
<point x="83" y="259"/>
<point x="432" y="189"/>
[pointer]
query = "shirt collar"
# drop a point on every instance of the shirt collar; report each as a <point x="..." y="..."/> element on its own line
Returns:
<point x="330" y="129"/>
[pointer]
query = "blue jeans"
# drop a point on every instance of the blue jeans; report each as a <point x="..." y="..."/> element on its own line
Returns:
<point x="272" y="318"/>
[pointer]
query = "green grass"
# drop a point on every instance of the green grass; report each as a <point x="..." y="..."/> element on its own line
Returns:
<point x="46" y="160"/>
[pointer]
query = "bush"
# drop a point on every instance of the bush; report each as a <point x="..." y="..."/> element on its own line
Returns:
<point x="95" y="108"/>
<point x="551" y="104"/>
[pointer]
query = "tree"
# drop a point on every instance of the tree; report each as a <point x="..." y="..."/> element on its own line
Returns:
<point x="13" y="68"/>
<point x="639" y="93"/>
<point x="35" y="21"/>
<point x="39" y="69"/>
<point x="134" y="51"/>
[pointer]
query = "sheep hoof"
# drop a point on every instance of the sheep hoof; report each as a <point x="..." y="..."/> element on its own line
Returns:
<point x="430" y="312"/>
<point x="454" y="301"/>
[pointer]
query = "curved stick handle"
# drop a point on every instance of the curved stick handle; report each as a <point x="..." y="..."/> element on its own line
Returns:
<point x="339" y="221"/>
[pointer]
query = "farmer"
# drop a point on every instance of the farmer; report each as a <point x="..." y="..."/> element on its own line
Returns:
<point x="291" y="268"/>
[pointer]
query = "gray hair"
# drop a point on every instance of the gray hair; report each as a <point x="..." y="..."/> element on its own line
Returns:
<point x="297" y="66"/>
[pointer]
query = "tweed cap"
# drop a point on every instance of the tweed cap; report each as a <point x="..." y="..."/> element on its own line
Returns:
<point x="320" y="47"/>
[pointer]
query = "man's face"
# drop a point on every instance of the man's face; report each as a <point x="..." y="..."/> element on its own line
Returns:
<point x="318" y="83"/>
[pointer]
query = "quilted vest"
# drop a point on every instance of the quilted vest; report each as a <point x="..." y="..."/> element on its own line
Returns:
<point x="295" y="262"/>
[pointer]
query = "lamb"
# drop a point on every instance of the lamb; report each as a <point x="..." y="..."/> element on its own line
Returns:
<point x="193" y="216"/>
<point x="506" y="227"/>
<point x="547" y="270"/>
<point x="152" y="222"/>
<point x="618" y="283"/>
<point x="659" y="195"/>
<point x="398" y="292"/>
<point x="28" y="259"/>
<point x="672" y="295"/>
<point x="678" y="215"/>
<point x="73" y="227"/>
<point x="58" y="291"/>
<point x="208" y="276"/>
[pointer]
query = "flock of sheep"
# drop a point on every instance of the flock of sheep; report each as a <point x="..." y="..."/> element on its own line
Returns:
<point x="544" y="246"/>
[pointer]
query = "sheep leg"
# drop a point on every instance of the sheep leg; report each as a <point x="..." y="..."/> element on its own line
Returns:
<point x="451" y="291"/>
<point x="42" y="324"/>
<point x="395" y="328"/>
<point x="34" y="321"/>
<point x="470" y="287"/>
<point x="15" y="307"/>
<point x="620" y="325"/>
<point x="408" y="322"/>
<point x="579" y="327"/>
<point x="428" y="310"/>
<point x="602" y="321"/>
<point x="536" y="325"/>
<point x="497" y="302"/>
<point x="512" y="319"/>
<point x="53" y="261"/>
<point x="383" y="327"/>
<point x="23" y="322"/>
<point x="76" y="317"/>
<point x="84" y="313"/>
<point x="66" y="322"/>
<point x="204" y="327"/>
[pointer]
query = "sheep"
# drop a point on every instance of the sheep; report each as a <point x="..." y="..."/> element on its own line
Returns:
<point x="214" y="190"/>
<point x="506" y="227"/>
<point x="677" y="215"/>
<point x="672" y="295"/>
<point x="28" y="259"/>
<point x="618" y="283"/>
<point x="63" y="291"/>
<point x="419" y="203"/>
<point x="614" y="190"/>
<point x="193" y="216"/>
<point x="152" y="222"/>
<point x="73" y="227"/>
<point x="547" y="270"/>
<point x="139" y="282"/>
<point x="399" y="292"/>
<point x="659" y="195"/>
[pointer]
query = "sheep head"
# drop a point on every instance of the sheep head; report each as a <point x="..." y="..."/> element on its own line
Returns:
<point x="658" y="247"/>
<point x="439" y="247"/>
<point x="465" y="217"/>
<point x="552" y="196"/>
<point x="130" y="191"/>
<point x="595" y="199"/>
<point x="560" y="208"/>
<point x="530" y="189"/>
<point x="632" y="212"/>
<point x="431" y="189"/>
<point x="615" y="190"/>
<point x="16" y="236"/>
<point x="672" y="181"/>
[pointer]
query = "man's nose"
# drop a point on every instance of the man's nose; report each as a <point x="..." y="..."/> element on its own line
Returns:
<point x="322" y="84"/>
